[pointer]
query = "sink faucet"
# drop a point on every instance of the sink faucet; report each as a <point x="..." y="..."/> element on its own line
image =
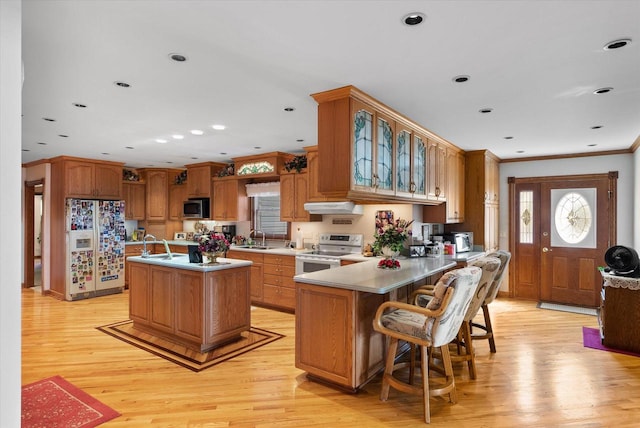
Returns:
<point x="264" y="244"/>
<point x="166" y="248"/>
<point x="145" y="253"/>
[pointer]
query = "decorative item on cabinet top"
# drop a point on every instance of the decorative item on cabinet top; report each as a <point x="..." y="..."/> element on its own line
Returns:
<point x="227" y="170"/>
<point x="298" y="163"/>
<point x="130" y="175"/>
<point x="265" y="164"/>
<point x="180" y="178"/>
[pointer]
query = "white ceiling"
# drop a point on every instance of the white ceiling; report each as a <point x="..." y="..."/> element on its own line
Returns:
<point x="535" y="63"/>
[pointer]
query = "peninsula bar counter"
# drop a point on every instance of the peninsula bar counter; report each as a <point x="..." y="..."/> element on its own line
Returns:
<point x="335" y="340"/>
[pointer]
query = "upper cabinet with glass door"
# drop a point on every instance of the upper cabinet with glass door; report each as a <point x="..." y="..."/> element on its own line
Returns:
<point x="369" y="152"/>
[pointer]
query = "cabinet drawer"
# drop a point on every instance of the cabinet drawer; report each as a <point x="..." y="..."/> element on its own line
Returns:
<point x="244" y="255"/>
<point x="287" y="271"/>
<point x="280" y="296"/>
<point x="281" y="281"/>
<point x="280" y="260"/>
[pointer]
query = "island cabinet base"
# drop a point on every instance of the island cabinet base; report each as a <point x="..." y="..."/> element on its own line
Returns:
<point x="199" y="310"/>
<point x="335" y="340"/>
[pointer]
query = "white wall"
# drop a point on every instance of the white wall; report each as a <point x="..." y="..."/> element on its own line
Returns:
<point x="10" y="203"/>
<point x="624" y="164"/>
<point x="636" y="198"/>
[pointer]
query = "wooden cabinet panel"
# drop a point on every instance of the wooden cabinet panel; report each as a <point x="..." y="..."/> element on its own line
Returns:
<point x="108" y="181"/>
<point x="293" y="195"/>
<point x="335" y="340"/>
<point x="92" y="180"/>
<point x="134" y="200"/>
<point x="436" y="164"/>
<point x="130" y="250"/>
<point x="230" y="201"/>
<point x="199" y="178"/>
<point x="139" y="310"/>
<point x="157" y="195"/>
<point x="455" y="187"/>
<point x="313" y="171"/>
<point x="189" y="297"/>
<point x="162" y="299"/>
<point x="482" y="187"/>
<point x="227" y="289"/>
<point x="177" y="195"/>
<point x="256" y="280"/>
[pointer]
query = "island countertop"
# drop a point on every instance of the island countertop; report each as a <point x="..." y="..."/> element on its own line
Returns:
<point x="367" y="277"/>
<point x="181" y="261"/>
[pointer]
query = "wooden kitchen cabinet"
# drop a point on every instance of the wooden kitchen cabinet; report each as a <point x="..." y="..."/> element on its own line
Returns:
<point x="279" y="287"/>
<point x="293" y="195"/>
<point x="230" y="200"/>
<point x="177" y="195"/>
<point x="133" y="193"/>
<point x="455" y="186"/>
<point x="256" y="280"/>
<point x="313" y="171"/>
<point x="482" y="182"/>
<point x="157" y="194"/>
<point x="359" y="150"/>
<point x="199" y="178"/>
<point x="88" y="179"/>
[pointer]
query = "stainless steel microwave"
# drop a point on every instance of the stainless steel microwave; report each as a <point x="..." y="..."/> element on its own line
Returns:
<point x="196" y="208"/>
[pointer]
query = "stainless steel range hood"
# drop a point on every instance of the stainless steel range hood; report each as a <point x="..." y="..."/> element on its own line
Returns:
<point x="340" y="208"/>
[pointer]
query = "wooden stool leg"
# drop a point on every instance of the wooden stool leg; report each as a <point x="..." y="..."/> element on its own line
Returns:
<point x="489" y="328"/>
<point x="424" y="358"/>
<point x="468" y="345"/>
<point x="388" y="369"/>
<point x="448" y="371"/>
<point x="412" y="362"/>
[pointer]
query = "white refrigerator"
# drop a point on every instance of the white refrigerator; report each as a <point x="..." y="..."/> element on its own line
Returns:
<point x="95" y="248"/>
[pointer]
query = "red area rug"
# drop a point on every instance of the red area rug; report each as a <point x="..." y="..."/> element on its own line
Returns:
<point x="54" y="402"/>
<point x="591" y="339"/>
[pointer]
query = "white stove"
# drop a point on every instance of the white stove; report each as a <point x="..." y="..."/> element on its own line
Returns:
<point x="331" y="247"/>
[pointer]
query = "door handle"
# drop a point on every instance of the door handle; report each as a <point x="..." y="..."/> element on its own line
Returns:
<point x="546" y="250"/>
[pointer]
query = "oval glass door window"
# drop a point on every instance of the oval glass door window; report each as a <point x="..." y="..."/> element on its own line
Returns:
<point x="573" y="218"/>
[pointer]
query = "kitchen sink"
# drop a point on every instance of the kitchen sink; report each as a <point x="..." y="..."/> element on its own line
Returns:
<point x="165" y="256"/>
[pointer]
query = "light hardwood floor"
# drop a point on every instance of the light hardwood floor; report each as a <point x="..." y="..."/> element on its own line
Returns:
<point x="541" y="376"/>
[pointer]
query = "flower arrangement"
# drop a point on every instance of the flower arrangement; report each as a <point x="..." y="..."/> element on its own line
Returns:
<point x="391" y="235"/>
<point x="180" y="178"/>
<point x="213" y="243"/>
<point x="128" y="175"/>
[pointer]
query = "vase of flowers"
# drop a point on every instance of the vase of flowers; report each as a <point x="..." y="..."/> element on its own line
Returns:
<point x="389" y="240"/>
<point x="213" y="246"/>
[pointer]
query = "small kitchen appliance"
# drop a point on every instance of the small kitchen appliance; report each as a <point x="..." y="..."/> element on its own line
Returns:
<point x="463" y="241"/>
<point x="331" y="247"/>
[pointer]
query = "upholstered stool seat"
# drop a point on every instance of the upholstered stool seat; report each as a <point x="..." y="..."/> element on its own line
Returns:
<point x="433" y="326"/>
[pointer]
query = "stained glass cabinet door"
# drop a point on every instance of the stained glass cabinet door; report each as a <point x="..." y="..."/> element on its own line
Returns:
<point x="362" y="178"/>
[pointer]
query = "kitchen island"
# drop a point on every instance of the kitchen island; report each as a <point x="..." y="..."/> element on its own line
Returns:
<point x="335" y="340"/>
<point x="191" y="304"/>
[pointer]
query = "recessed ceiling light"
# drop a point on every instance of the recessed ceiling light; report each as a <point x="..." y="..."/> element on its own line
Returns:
<point x="461" y="79"/>
<point x="26" y="150"/>
<point x="508" y="138"/>
<point x="43" y="144"/>
<point x="485" y="110"/>
<point x="178" y="57"/>
<point x="596" y="127"/>
<point x="106" y="154"/>
<point x="413" y="18"/>
<point x="520" y="151"/>
<point x="177" y="136"/>
<point x="300" y="140"/>
<point x="194" y="157"/>
<point x="603" y="90"/>
<point x="223" y="153"/>
<point x="62" y="135"/>
<point x="591" y="145"/>
<point x="129" y="147"/>
<point x="48" y="119"/>
<point x="616" y="44"/>
<point x="289" y="109"/>
<point x="79" y="105"/>
<point x="161" y="140"/>
<point x="122" y="84"/>
<point x="168" y="162"/>
<point x="218" y="127"/>
<point x="196" y="132"/>
<point x="257" y="147"/>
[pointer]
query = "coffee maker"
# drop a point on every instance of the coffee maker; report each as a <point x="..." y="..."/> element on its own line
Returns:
<point x="229" y="231"/>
